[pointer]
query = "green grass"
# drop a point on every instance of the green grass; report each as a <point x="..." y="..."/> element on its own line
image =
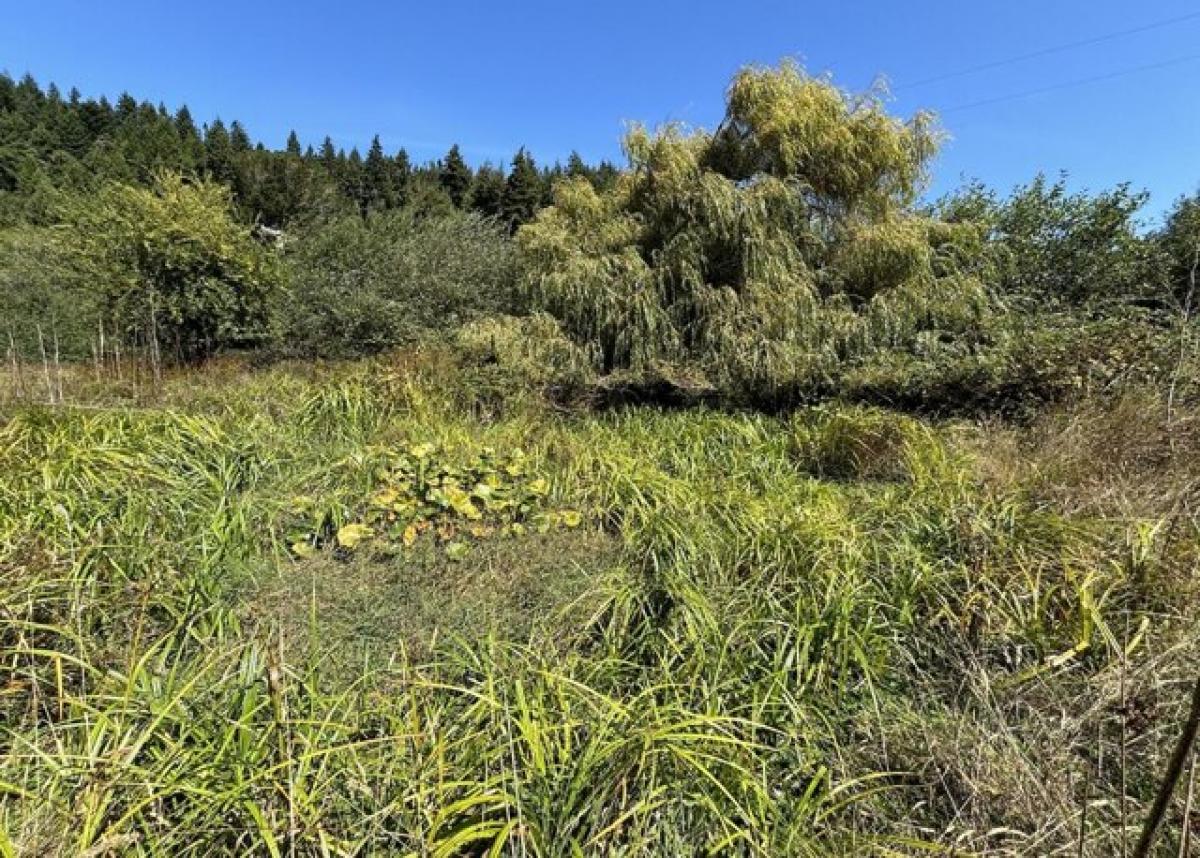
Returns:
<point x="846" y="631"/>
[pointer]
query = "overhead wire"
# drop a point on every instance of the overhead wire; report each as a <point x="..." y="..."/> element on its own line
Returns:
<point x="1048" y="51"/>
<point x="1072" y="83"/>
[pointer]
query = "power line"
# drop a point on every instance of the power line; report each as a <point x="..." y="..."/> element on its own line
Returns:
<point x="1072" y="83"/>
<point x="1051" y="50"/>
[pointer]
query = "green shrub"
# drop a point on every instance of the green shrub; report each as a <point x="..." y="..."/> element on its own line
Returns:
<point x="1047" y="247"/>
<point x="360" y="287"/>
<point x="41" y="290"/>
<point x="172" y="267"/>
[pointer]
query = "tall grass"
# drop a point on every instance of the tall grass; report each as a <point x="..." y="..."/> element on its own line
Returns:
<point x="842" y="632"/>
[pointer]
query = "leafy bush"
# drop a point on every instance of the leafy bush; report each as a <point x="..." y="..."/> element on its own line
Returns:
<point x="360" y="287"/>
<point x="172" y="267"/>
<point x="1046" y="246"/>
<point x="1180" y="243"/>
<point x="40" y="291"/>
<point x="505" y="355"/>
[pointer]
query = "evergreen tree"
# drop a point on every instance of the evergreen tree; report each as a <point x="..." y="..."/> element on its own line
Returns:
<point x="239" y="140"/>
<point x="455" y="176"/>
<point x="218" y="153"/>
<point x="522" y="191"/>
<point x="293" y="143"/>
<point x="98" y="117"/>
<point x="605" y="175"/>
<point x="126" y="108"/>
<point x="549" y="177"/>
<point x="329" y="158"/>
<point x="401" y="174"/>
<point x="576" y="168"/>
<point x="378" y="193"/>
<point x="185" y="125"/>
<point x="488" y="190"/>
<point x="189" y="139"/>
<point x="353" y="181"/>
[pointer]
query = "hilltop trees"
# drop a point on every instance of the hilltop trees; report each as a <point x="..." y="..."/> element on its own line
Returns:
<point x="51" y="144"/>
<point x="770" y="256"/>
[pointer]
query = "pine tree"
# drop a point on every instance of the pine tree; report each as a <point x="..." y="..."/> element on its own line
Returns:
<point x="401" y="174"/>
<point x="522" y="191"/>
<point x="189" y="139"/>
<point x="329" y="158"/>
<point x="378" y="192"/>
<point x="605" y="175"/>
<point x="487" y="192"/>
<point x="218" y="153"/>
<point x="293" y="144"/>
<point x="238" y="138"/>
<point x="185" y="124"/>
<point x="126" y="108"/>
<point x="352" y="181"/>
<point x="8" y="93"/>
<point x="455" y="176"/>
<point x="550" y="175"/>
<point x="576" y="168"/>
<point x="98" y="116"/>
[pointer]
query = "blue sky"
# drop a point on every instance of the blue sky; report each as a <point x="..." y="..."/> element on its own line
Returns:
<point x="561" y="75"/>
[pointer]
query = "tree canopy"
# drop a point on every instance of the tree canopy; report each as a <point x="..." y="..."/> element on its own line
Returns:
<point x="769" y="255"/>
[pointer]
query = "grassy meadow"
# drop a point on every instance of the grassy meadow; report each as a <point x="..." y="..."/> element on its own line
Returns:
<point x="741" y="500"/>
<point x="363" y="609"/>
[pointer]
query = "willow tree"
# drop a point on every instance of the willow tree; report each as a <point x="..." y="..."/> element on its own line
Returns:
<point x="769" y="255"/>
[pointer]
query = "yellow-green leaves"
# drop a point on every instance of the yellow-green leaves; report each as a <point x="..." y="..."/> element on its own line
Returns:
<point x="177" y="252"/>
<point x="454" y="497"/>
<point x="351" y="535"/>
<point x="764" y="260"/>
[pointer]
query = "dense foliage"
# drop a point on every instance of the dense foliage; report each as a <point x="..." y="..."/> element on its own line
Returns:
<point x="359" y="287"/>
<point x="766" y="255"/>
<point x="173" y="268"/>
<point x="293" y="612"/>
<point x="781" y="258"/>
<point x="439" y="602"/>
